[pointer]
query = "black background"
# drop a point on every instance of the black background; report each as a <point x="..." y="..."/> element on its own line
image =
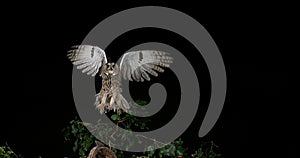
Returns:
<point x="254" y="122"/>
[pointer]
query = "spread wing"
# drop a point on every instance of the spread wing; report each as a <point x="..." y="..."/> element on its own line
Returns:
<point x="88" y="58"/>
<point x="137" y="65"/>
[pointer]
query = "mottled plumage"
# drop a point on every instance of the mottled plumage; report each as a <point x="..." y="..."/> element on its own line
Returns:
<point x="135" y="65"/>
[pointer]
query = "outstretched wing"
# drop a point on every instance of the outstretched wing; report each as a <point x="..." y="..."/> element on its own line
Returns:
<point x="137" y="65"/>
<point x="87" y="57"/>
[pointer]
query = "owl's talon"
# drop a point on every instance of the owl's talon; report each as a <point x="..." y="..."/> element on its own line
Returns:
<point x="100" y="107"/>
<point x="110" y="107"/>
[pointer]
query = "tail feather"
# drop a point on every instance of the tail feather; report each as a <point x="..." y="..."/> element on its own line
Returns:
<point x="124" y="104"/>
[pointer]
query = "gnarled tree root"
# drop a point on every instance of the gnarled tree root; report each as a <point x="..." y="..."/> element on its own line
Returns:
<point x="100" y="151"/>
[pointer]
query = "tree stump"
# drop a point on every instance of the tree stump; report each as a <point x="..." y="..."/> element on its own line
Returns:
<point x="100" y="151"/>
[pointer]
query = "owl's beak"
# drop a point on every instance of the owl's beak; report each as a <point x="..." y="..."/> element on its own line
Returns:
<point x="112" y="73"/>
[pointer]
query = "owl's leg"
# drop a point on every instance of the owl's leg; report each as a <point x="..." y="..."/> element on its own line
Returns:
<point x="101" y="108"/>
<point x="112" y="100"/>
<point x="100" y="101"/>
<point x="103" y="99"/>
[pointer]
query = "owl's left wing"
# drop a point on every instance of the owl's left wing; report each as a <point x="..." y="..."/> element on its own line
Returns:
<point x="137" y="65"/>
<point x="87" y="57"/>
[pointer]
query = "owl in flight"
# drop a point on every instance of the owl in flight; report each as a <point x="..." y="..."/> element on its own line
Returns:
<point x="134" y="65"/>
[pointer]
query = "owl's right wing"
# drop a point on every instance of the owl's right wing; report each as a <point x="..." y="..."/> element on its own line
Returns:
<point x="137" y="65"/>
<point x="87" y="57"/>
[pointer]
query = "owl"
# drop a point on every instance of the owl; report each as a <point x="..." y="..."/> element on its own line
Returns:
<point x="134" y="66"/>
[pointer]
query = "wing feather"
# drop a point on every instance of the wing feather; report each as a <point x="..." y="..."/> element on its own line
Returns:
<point x="137" y="65"/>
<point x="88" y="58"/>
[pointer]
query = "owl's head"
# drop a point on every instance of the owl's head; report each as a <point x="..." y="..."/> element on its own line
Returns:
<point x="110" y="69"/>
